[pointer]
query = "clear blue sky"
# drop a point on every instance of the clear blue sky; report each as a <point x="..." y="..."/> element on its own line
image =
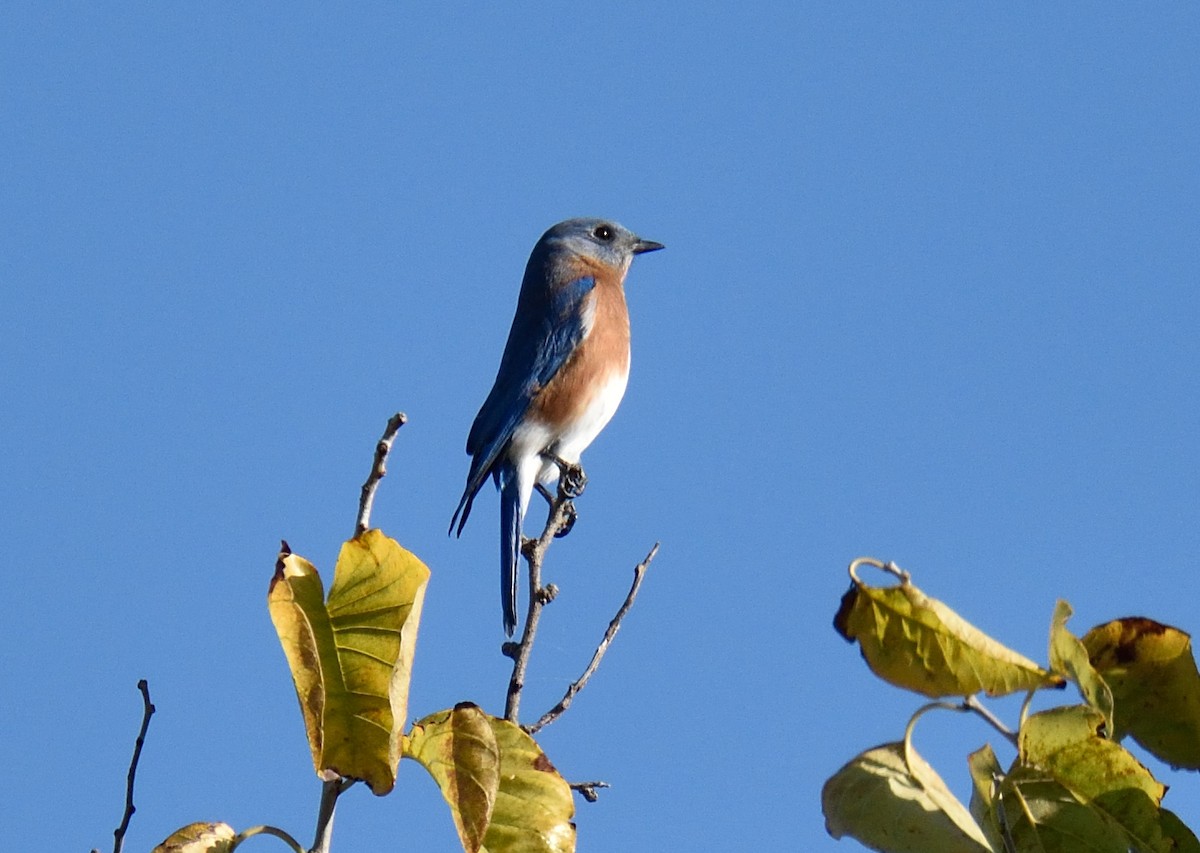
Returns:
<point x="930" y="294"/>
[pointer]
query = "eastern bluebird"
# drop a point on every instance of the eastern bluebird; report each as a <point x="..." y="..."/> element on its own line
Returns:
<point x="561" y="377"/>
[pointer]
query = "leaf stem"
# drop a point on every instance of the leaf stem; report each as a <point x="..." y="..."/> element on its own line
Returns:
<point x="287" y="839"/>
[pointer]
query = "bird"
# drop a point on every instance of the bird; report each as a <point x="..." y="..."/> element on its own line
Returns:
<point x="561" y="377"/>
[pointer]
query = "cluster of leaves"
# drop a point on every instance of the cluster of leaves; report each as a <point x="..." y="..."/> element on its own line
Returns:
<point x="351" y="657"/>
<point x="1072" y="786"/>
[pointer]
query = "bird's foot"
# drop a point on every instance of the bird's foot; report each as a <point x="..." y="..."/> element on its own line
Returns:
<point x="570" y="516"/>
<point x="571" y="480"/>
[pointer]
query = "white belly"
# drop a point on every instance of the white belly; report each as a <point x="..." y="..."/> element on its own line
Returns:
<point x="572" y="441"/>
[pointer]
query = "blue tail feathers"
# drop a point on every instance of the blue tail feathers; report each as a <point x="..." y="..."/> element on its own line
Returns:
<point x="510" y="546"/>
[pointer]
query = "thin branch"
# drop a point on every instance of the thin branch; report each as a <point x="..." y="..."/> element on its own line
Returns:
<point x="147" y="713"/>
<point x="588" y="789"/>
<point x="534" y="552"/>
<point x="330" y="791"/>
<point x="378" y="471"/>
<point x="639" y="572"/>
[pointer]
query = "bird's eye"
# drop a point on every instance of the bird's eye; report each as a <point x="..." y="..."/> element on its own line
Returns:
<point x="603" y="233"/>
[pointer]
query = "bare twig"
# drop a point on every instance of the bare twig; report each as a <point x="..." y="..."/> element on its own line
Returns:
<point x="534" y="552"/>
<point x="588" y="789"/>
<point x="378" y="471"/>
<point x="639" y="572"/>
<point x="147" y="713"/>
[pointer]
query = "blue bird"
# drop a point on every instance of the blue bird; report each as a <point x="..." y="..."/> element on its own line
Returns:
<point x="561" y="378"/>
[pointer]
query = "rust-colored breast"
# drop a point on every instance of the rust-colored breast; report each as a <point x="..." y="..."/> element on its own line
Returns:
<point x="603" y="353"/>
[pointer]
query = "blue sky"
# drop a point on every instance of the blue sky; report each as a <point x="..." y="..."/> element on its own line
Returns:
<point x="929" y="295"/>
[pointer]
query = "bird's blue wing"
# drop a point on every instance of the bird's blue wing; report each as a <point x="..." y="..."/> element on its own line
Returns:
<point x="544" y="333"/>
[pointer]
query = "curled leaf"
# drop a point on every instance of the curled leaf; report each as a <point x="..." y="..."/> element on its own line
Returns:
<point x="1152" y="672"/>
<point x="351" y="656"/>
<point x="1069" y="657"/>
<point x="504" y="794"/>
<point x="199" y="838"/>
<point x="918" y="643"/>
<point x="891" y="799"/>
<point x="459" y="750"/>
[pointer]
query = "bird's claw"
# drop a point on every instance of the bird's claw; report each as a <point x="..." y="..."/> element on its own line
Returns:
<point x="570" y="516"/>
<point x="571" y="480"/>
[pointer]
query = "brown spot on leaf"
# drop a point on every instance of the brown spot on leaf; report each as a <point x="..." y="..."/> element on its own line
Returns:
<point x="843" y="613"/>
<point x="1133" y="628"/>
<point x="543" y="763"/>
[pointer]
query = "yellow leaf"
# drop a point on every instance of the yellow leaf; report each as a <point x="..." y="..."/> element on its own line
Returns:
<point x="529" y="804"/>
<point x="1039" y="813"/>
<point x="460" y="752"/>
<point x="1069" y="657"/>
<point x="1066" y="742"/>
<point x="534" y="806"/>
<point x="351" y="657"/>
<point x="878" y="799"/>
<point x="199" y="838"/>
<point x="920" y="644"/>
<point x="1152" y="673"/>
<point x="1065" y="745"/>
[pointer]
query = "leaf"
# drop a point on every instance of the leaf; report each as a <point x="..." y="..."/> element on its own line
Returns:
<point x="1069" y="657"/>
<point x="986" y="776"/>
<point x="1038" y="813"/>
<point x="920" y="644"/>
<point x="877" y="799"/>
<point x="1064" y="744"/>
<point x="199" y="838"/>
<point x="351" y="657"/>
<point x="1152" y="672"/>
<point x="534" y="806"/>
<point x="503" y="793"/>
<point x="459" y="750"/>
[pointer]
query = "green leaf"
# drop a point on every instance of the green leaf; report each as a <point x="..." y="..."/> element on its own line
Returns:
<point x="1065" y="744"/>
<point x="504" y="794"/>
<point x="459" y="750"/>
<point x="351" y="657"/>
<point x="1069" y="657"/>
<point x="878" y="799"/>
<point x="199" y="838"/>
<point x="920" y="644"/>
<point x="1040" y="814"/>
<point x="1152" y="672"/>
<point x="986" y="776"/>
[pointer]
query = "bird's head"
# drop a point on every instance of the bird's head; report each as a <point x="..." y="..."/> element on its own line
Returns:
<point x="600" y="240"/>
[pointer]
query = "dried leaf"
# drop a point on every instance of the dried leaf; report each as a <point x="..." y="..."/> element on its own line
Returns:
<point x="877" y="799"/>
<point x="460" y="752"/>
<point x="1152" y="672"/>
<point x="199" y="838"/>
<point x="920" y="644"/>
<point x="504" y="794"/>
<point x="351" y="657"/>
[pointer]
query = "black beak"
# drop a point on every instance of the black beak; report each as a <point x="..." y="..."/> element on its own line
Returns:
<point x="646" y="246"/>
